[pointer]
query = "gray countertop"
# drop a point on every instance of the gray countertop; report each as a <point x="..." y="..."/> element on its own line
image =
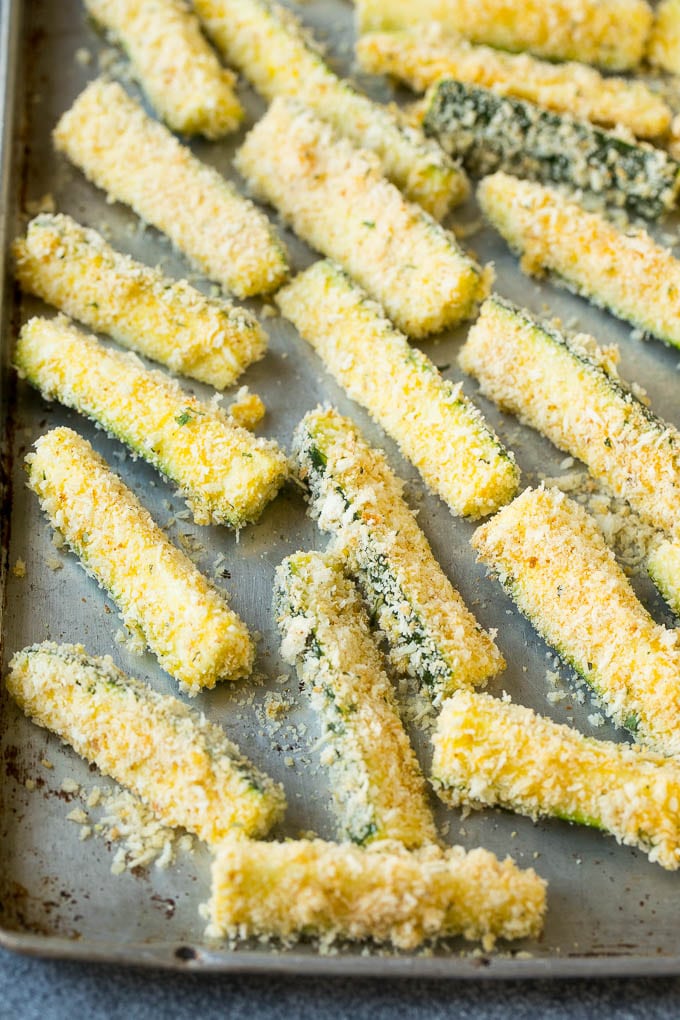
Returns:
<point x="48" y="989"/>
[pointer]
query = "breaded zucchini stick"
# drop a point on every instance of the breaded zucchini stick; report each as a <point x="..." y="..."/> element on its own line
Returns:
<point x="162" y="596"/>
<point x="489" y="132"/>
<point x="421" y="56"/>
<point x="336" y="200"/>
<point x="377" y="785"/>
<point x="270" y="47"/>
<point x="180" y="764"/>
<point x="626" y="272"/>
<point x="437" y="428"/>
<point x="308" y="887"/>
<point x="355" y="496"/>
<point x="553" y="561"/>
<point x="663" y="49"/>
<point x="490" y="753"/>
<point x="569" y="390"/>
<point x="175" y="65"/>
<point x="225" y="474"/>
<point x="69" y="266"/>
<point x="663" y="564"/>
<point x="611" y="34"/>
<point x="120" y="149"/>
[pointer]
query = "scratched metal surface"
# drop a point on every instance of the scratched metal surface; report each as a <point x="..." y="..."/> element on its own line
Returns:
<point x="610" y="911"/>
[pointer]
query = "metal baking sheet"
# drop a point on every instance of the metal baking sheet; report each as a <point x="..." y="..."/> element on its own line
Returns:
<point x="610" y="911"/>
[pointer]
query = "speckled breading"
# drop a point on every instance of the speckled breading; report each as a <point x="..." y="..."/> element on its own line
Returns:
<point x="610" y="34"/>
<point x="377" y="787"/>
<point x="336" y="200"/>
<point x="308" y="887"/>
<point x="663" y="564"/>
<point x="69" y="266"/>
<point x="118" y="147"/>
<point x="625" y="271"/>
<point x="663" y="49"/>
<point x="162" y="596"/>
<point x="180" y="764"/>
<point x="247" y="409"/>
<point x="420" y="56"/>
<point x="357" y="498"/>
<point x="490" y="753"/>
<point x="569" y="390"/>
<point x="274" y="52"/>
<point x="225" y="474"/>
<point x="491" y="132"/>
<point x="553" y="561"/>
<point x="174" y="63"/>
<point x="437" y="428"/>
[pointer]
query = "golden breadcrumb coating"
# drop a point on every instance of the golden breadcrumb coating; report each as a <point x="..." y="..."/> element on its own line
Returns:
<point x="377" y="786"/>
<point x="490" y="753"/>
<point x="182" y="766"/>
<point x="336" y="200"/>
<point x="569" y="390"/>
<point x="73" y="268"/>
<point x="437" y="428"/>
<point x="225" y="474"/>
<point x="204" y="216"/>
<point x="552" y="559"/>
<point x="175" y="65"/>
<point x="162" y="596"/>
<point x="431" y="633"/>
<point x="308" y="887"/>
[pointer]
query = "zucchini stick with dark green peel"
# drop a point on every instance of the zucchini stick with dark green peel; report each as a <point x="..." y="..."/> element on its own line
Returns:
<point x="377" y="785"/>
<point x="225" y="474"/>
<point x="491" y="753"/>
<point x="181" y="765"/>
<point x="275" y="53"/>
<point x="625" y="271"/>
<point x="552" y="560"/>
<point x="489" y="132"/>
<point x="436" y="426"/>
<point x="357" y="498"/>
<point x="162" y="596"/>
<point x="568" y="389"/>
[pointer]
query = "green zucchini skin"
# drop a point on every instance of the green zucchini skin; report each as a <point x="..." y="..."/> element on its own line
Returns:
<point x="489" y="132"/>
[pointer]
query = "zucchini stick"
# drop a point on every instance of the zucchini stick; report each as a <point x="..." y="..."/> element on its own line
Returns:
<point x="175" y="65"/>
<point x="624" y="271"/>
<point x="490" y="753"/>
<point x="308" y="887"/>
<point x="336" y="200"/>
<point x="355" y="496"/>
<point x="663" y="48"/>
<point x="437" y="428"/>
<point x="569" y="390"/>
<point x="553" y="561"/>
<point x="162" y="596"/>
<point x="611" y="34"/>
<point x="225" y="474"/>
<point x="378" y="789"/>
<point x="182" y="766"/>
<point x="69" y="266"/>
<point x="663" y="564"/>
<point x="120" y="149"/>
<point x="421" y="56"/>
<point x="269" y="46"/>
<point x="491" y="132"/>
